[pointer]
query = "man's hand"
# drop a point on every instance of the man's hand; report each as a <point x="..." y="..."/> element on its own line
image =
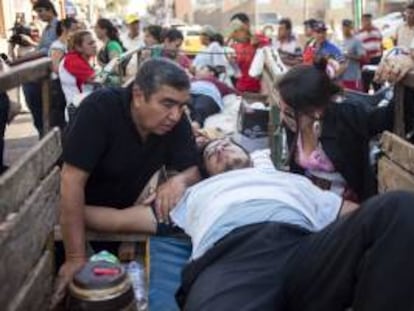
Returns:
<point x="394" y="68"/>
<point x="166" y="197"/>
<point x="65" y="276"/>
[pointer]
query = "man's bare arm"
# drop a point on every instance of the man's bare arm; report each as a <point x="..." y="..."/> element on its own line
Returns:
<point x="135" y="219"/>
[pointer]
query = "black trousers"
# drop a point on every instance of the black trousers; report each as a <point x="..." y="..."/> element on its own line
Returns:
<point x="33" y="94"/>
<point x="57" y="106"/>
<point x="364" y="261"/>
<point x="4" y="112"/>
<point x="202" y="107"/>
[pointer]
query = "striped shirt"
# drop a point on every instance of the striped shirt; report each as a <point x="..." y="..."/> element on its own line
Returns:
<point x="371" y="41"/>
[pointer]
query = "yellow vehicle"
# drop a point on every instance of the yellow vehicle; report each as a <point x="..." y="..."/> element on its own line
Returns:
<point x="192" y="41"/>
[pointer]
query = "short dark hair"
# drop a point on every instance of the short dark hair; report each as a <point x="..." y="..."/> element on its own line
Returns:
<point x="367" y="15"/>
<point x="287" y="22"/>
<point x="243" y="17"/>
<point x="65" y="24"/>
<point x="156" y="72"/>
<point x="173" y="34"/>
<point x="45" y="4"/>
<point x="410" y="6"/>
<point x="310" y="23"/>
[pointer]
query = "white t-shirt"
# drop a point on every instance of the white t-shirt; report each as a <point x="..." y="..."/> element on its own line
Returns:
<point x="60" y="46"/>
<point x="131" y="44"/>
<point x="213" y="55"/>
<point x="207" y="203"/>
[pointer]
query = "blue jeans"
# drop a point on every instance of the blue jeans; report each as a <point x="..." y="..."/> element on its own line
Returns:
<point x="33" y="95"/>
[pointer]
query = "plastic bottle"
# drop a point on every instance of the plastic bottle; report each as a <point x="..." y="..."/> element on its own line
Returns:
<point x="136" y="272"/>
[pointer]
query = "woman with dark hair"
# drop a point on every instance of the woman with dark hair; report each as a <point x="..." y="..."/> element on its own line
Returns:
<point x="152" y="35"/>
<point x="172" y="39"/>
<point x="108" y="34"/>
<point x="329" y="139"/>
<point x="57" y="51"/>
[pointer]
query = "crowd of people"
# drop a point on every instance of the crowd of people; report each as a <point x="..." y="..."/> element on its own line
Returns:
<point x="313" y="238"/>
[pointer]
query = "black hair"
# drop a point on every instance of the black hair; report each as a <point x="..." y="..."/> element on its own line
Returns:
<point x="172" y="34"/>
<point x="156" y="72"/>
<point x="111" y="31"/>
<point x="306" y="87"/>
<point x="155" y="31"/>
<point x="65" y="24"/>
<point x="202" y="165"/>
<point x="410" y="6"/>
<point x="214" y="70"/>
<point x="310" y="23"/>
<point x="45" y="4"/>
<point x="287" y="22"/>
<point x="243" y="17"/>
<point x="367" y="15"/>
<point x="218" y="37"/>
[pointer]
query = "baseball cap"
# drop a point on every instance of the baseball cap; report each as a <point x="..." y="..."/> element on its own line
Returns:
<point x="131" y="18"/>
<point x="320" y="26"/>
<point x="208" y="30"/>
<point x="347" y="23"/>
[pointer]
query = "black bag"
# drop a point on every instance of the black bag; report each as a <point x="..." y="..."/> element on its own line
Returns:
<point x="253" y="122"/>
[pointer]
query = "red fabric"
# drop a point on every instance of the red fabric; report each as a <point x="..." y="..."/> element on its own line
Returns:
<point x="245" y="52"/>
<point x="352" y="85"/>
<point x="308" y="54"/>
<point x="78" y="66"/>
<point x="262" y="40"/>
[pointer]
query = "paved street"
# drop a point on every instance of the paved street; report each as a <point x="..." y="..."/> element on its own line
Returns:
<point x="20" y="136"/>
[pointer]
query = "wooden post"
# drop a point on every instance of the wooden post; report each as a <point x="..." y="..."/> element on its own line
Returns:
<point x="399" y="123"/>
<point x="46" y="103"/>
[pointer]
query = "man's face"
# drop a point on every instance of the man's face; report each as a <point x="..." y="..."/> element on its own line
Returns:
<point x="409" y="15"/>
<point x="282" y="31"/>
<point x="134" y="28"/>
<point x="222" y="155"/>
<point x="44" y="14"/>
<point x="366" y="22"/>
<point x="346" y="30"/>
<point x="308" y="31"/>
<point x="320" y="35"/>
<point x="162" y="111"/>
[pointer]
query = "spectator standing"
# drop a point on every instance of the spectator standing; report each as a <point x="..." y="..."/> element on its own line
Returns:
<point x="58" y="49"/>
<point x="405" y="32"/>
<point x="354" y="53"/>
<point x="152" y="35"/>
<point x="33" y="90"/>
<point x="371" y="39"/>
<point x="286" y="43"/>
<point x="132" y="40"/>
<point x="309" y="47"/>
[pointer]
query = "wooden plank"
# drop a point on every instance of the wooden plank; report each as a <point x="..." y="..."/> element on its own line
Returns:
<point x="110" y="237"/>
<point x="399" y="122"/>
<point x="398" y="150"/>
<point x="29" y="71"/>
<point x="392" y="177"/>
<point x="37" y="289"/>
<point x="46" y="103"/>
<point x="20" y="180"/>
<point x="23" y="237"/>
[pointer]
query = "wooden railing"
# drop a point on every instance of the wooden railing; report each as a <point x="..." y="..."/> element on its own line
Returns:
<point x="36" y="70"/>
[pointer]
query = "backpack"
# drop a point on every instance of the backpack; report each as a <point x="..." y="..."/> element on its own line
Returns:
<point x="103" y="58"/>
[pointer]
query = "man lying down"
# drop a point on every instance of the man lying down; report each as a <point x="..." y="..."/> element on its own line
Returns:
<point x="269" y="240"/>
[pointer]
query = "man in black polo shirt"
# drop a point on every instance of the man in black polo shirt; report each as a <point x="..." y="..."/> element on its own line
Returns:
<point x="117" y="141"/>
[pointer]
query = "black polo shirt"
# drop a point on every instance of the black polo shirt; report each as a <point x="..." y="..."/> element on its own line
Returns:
<point x="103" y="141"/>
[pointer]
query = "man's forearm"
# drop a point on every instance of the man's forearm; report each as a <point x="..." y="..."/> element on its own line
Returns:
<point x="72" y="221"/>
<point x="190" y="176"/>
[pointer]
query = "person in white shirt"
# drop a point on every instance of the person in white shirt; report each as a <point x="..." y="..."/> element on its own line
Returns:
<point x="213" y="53"/>
<point x="132" y="40"/>
<point x="269" y="240"/>
<point x="286" y="43"/>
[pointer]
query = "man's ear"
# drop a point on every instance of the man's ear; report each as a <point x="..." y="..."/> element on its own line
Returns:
<point x="137" y="93"/>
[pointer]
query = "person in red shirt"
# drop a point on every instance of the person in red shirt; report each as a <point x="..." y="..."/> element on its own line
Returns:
<point x="245" y="50"/>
